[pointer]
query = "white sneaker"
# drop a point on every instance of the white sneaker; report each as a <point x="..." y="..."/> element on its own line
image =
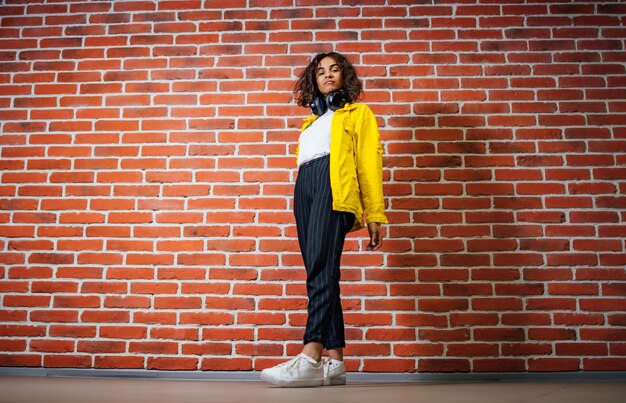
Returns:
<point x="300" y="371"/>
<point x="334" y="372"/>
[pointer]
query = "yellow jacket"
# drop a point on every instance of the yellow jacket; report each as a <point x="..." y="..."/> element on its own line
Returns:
<point x="356" y="166"/>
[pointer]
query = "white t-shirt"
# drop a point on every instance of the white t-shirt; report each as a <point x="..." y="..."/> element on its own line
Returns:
<point x="315" y="140"/>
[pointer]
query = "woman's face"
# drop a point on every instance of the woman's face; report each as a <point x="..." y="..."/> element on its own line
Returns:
<point x="329" y="76"/>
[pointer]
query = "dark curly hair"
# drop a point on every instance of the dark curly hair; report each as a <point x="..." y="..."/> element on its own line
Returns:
<point x="306" y="87"/>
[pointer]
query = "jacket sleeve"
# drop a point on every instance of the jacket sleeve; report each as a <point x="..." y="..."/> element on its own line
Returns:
<point x="369" y="166"/>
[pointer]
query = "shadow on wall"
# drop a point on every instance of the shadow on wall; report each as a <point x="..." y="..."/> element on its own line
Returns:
<point x="494" y="258"/>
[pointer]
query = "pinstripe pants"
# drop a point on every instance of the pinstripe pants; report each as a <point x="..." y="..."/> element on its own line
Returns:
<point x="321" y="234"/>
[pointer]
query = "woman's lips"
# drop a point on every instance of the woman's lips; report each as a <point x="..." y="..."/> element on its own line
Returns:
<point x="328" y="82"/>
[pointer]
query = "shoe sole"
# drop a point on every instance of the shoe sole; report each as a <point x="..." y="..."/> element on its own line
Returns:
<point x="335" y="381"/>
<point x="292" y="384"/>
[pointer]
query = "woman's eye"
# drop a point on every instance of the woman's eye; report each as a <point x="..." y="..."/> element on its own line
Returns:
<point x="334" y="71"/>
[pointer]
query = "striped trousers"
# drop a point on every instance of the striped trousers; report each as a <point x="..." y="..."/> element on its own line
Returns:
<point x="321" y="235"/>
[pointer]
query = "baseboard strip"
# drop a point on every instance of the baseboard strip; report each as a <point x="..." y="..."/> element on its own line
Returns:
<point x="577" y="376"/>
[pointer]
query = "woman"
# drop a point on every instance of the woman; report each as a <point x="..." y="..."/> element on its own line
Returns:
<point x="339" y="159"/>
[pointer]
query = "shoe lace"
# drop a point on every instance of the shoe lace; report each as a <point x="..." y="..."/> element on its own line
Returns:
<point x="325" y="363"/>
<point x="288" y="365"/>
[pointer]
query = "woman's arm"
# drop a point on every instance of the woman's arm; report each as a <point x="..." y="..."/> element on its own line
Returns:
<point x="369" y="167"/>
<point x="369" y="153"/>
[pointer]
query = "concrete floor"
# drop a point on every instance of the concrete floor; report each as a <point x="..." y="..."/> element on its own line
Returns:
<point x="100" y="390"/>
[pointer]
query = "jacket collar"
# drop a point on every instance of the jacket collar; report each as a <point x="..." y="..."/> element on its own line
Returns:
<point x="347" y="107"/>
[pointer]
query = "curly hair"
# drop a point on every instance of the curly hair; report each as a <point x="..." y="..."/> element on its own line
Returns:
<point x="306" y="89"/>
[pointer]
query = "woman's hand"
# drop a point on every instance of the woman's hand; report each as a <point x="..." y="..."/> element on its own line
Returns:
<point x="376" y="238"/>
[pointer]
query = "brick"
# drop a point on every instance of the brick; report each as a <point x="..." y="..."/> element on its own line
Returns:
<point x="499" y="365"/>
<point x="443" y="365"/>
<point x="109" y="316"/>
<point x="520" y="349"/>
<point x="389" y="365"/>
<point x="603" y="364"/>
<point x="67" y="361"/>
<point x="230" y="364"/>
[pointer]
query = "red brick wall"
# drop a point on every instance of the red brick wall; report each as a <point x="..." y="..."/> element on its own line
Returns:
<point x="147" y="174"/>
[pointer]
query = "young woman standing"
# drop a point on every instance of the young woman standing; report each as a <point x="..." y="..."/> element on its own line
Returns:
<point x="339" y="159"/>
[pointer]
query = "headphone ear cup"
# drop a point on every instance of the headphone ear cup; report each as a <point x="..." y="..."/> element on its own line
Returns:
<point x="318" y="106"/>
<point x="336" y="100"/>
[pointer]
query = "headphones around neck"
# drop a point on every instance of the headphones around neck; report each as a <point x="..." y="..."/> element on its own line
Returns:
<point x="333" y="101"/>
